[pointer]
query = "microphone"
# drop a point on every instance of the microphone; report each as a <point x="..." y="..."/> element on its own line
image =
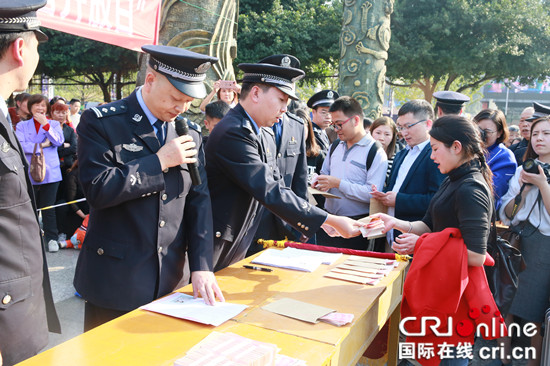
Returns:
<point x="183" y="129"/>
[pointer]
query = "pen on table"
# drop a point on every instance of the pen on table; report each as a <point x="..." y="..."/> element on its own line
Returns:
<point x="258" y="268"/>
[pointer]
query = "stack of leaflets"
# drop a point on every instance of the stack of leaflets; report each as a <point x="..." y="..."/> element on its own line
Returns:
<point x="228" y="349"/>
<point x="365" y="270"/>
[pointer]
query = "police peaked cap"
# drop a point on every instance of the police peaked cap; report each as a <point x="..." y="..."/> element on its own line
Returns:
<point x="324" y="98"/>
<point x="451" y="97"/>
<point x="20" y="16"/>
<point x="280" y="71"/>
<point x="186" y="70"/>
<point x="541" y="110"/>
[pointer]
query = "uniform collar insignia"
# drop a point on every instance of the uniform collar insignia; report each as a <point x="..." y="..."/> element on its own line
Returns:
<point x="137" y="117"/>
<point x="5" y="147"/>
<point x="132" y="147"/>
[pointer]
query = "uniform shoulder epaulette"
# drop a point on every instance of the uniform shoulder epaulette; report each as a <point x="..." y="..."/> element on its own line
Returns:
<point x="194" y="126"/>
<point x="295" y="118"/>
<point x="111" y="109"/>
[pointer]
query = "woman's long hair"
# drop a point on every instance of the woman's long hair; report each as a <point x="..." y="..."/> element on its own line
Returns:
<point x="449" y="129"/>
<point x="312" y="148"/>
<point x="386" y="121"/>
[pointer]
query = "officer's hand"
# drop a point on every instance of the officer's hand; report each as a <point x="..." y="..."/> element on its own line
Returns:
<point x="346" y="227"/>
<point x="177" y="151"/>
<point x="204" y="283"/>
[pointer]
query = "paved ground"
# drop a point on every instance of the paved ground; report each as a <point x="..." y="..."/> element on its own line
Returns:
<point x="70" y="308"/>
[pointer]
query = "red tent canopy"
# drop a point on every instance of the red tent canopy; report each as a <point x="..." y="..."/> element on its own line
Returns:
<point x="125" y="23"/>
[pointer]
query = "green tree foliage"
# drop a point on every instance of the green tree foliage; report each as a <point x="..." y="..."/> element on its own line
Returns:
<point x="441" y="44"/>
<point x="307" y="29"/>
<point x="67" y="56"/>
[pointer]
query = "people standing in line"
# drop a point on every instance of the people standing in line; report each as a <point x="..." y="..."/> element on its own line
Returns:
<point x="449" y="103"/>
<point x="242" y="171"/>
<point x="355" y="162"/>
<point x="384" y="131"/>
<point x="528" y="115"/>
<point x="230" y="95"/>
<point x="48" y="135"/>
<point x="532" y="221"/>
<point x="501" y="160"/>
<point x="74" y="116"/>
<point x="27" y="310"/>
<point x="146" y="215"/>
<point x="320" y="117"/>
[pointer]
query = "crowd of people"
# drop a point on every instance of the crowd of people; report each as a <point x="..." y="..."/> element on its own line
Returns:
<point x="169" y="206"/>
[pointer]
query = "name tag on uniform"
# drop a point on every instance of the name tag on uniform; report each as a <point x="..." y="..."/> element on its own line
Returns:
<point x="132" y="147"/>
<point x="292" y="141"/>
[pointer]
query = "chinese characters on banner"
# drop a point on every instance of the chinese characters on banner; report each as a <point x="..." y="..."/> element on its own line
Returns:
<point x="125" y="23"/>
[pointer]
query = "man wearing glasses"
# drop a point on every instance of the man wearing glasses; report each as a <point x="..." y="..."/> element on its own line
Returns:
<point x="414" y="177"/>
<point x="345" y="171"/>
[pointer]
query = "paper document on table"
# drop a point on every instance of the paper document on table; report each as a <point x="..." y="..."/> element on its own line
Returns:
<point x="184" y="306"/>
<point x="285" y="259"/>
<point x="297" y="309"/>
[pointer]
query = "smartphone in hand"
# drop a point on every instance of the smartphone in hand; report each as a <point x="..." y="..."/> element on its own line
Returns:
<point x="227" y="84"/>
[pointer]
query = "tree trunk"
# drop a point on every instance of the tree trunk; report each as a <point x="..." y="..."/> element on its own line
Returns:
<point x="364" y="42"/>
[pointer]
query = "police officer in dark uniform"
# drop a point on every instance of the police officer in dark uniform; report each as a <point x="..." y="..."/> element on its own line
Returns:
<point x="449" y="102"/>
<point x="320" y="117"/>
<point x="242" y="171"/>
<point x="289" y="134"/>
<point x="145" y="213"/>
<point x="26" y="304"/>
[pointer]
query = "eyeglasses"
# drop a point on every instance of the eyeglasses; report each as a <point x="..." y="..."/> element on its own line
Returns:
<point x="406" y="128"/>
<point x="338" y="126"/>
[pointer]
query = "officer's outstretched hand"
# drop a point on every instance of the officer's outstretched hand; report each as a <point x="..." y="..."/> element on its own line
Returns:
<point x="177" y="151"/>
<point x="341" y="226"/>
<point x="205" y="284"/>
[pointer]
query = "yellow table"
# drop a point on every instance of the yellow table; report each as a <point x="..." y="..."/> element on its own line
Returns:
<point x="145" y="338"/>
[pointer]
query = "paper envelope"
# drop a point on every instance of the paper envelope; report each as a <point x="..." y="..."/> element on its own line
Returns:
<point x="298" y="310"/>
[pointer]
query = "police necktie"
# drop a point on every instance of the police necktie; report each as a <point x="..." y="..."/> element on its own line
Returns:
<point x="160" y="131"/>
<point x="277" y="129"/>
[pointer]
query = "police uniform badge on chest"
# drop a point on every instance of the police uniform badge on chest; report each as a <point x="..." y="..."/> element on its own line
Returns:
<point x="5" y="147"/>
<point x="132" y="147"/>
<point x="292" y="141"/>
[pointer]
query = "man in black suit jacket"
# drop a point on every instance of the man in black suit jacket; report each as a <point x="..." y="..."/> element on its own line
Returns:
<point x="242" y="171"/>
<point x="414" y="177"/>
<point x="145" y="213"/>
<point x="26" y="305"/>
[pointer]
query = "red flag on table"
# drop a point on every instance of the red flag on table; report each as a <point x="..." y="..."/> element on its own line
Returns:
<point x="124" y="23"/>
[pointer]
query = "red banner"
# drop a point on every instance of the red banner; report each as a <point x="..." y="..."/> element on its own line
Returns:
<point x="125" y="23"/>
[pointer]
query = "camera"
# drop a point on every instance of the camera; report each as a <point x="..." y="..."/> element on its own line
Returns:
<point x="532" y="166"/>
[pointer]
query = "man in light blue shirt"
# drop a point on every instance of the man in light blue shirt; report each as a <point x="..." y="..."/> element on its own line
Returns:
<point x="345" y="172"/>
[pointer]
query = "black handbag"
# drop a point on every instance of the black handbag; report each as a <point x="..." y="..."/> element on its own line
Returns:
<point x="503" y="276"/>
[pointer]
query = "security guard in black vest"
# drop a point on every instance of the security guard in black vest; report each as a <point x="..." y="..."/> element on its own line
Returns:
<point x="320" y="117"/>
<point x="145" y="213"/>
<point x="26" y="306"/>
